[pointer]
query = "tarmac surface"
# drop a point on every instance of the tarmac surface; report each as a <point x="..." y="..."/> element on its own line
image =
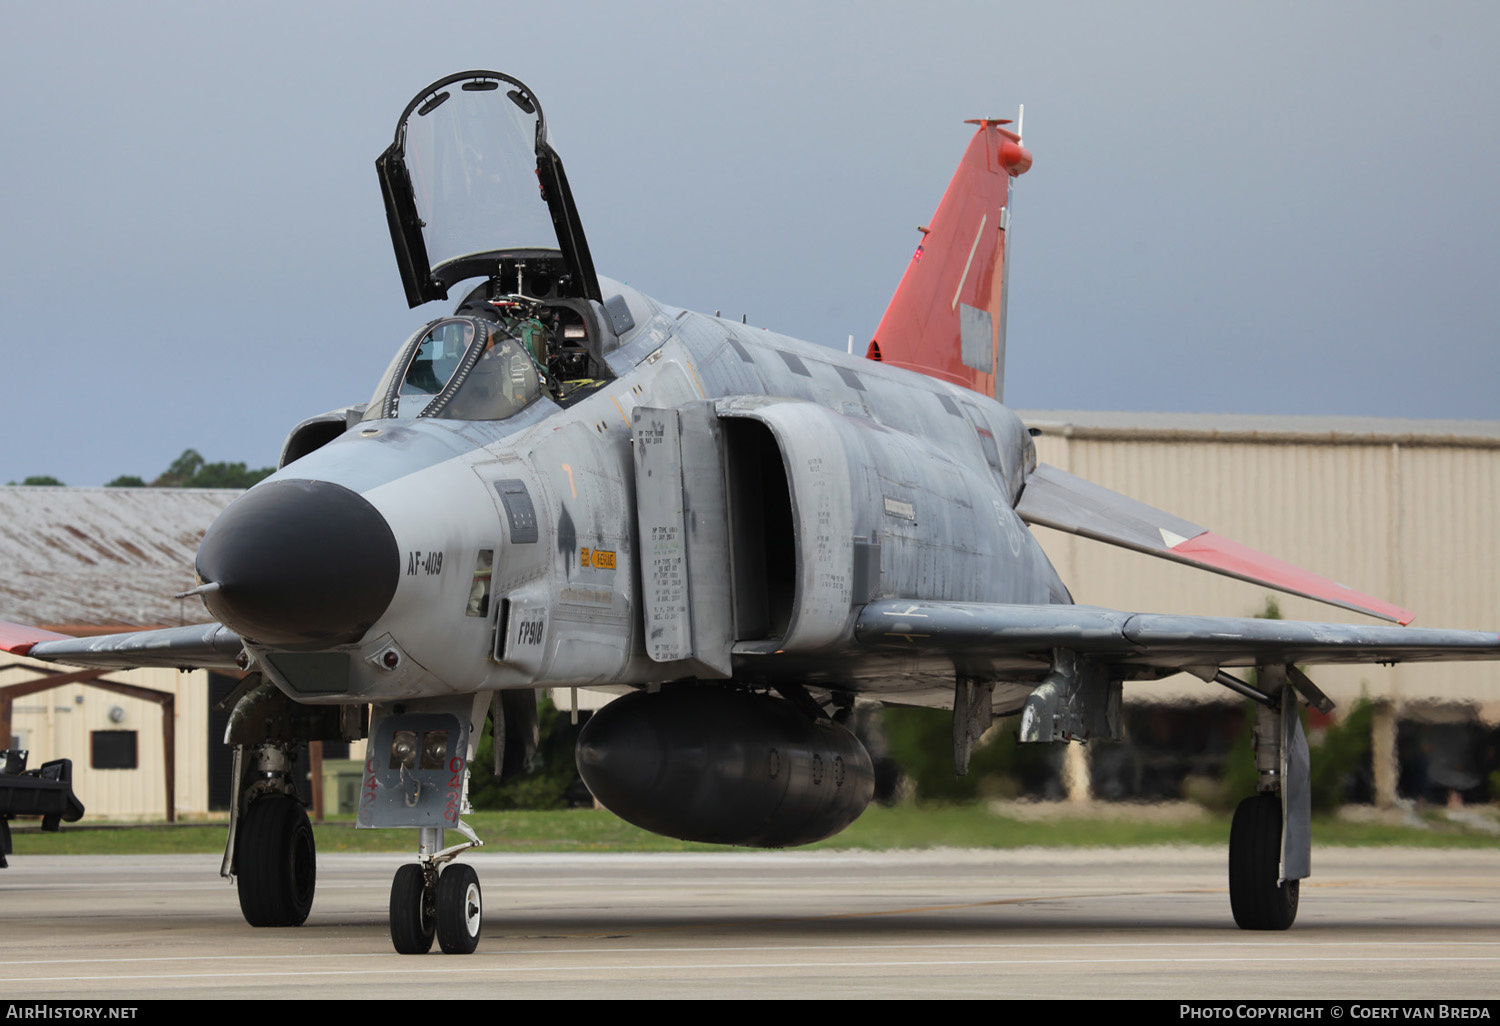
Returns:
<point x="1035" y="923"/>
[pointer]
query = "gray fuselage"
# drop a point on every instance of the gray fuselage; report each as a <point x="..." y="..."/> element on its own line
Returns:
<point x="841" y="481"/>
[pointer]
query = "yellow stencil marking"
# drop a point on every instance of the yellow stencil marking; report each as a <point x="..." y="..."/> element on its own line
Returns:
<point x="702" y="392"/>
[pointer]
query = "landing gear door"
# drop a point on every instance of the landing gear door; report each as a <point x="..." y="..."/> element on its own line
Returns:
<point x="414" y="771"/>
<point x="473" y="188"/>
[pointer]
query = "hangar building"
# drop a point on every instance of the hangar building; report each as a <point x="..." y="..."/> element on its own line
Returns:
<point x="1406" y="510"/>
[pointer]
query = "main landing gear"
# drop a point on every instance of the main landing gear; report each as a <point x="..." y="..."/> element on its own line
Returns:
<point x="1270" y="840"/>
<point x="1258" y="897"/>
<point x="277" y="862"/>
<point x="436" y="896"/>
<point x="270" y="851"/>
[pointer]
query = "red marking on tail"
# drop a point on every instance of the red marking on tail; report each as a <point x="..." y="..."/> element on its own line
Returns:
<point x="953" y="290"/>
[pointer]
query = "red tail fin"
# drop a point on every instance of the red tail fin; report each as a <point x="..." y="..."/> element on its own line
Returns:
<point x="947" y="318"/>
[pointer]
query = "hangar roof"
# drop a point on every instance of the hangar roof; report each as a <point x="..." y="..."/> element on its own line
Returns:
<point x="94" y="558"/>
<point x="1249" y="427"/>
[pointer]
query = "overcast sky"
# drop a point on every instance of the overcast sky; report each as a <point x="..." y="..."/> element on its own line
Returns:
<point x="1258" y="208"/>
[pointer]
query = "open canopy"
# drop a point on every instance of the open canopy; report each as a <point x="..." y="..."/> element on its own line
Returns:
<point x="473" y="189"/>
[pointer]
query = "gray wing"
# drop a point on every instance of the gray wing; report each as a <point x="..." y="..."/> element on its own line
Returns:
<point x="1146" y="645"/>
<point x="204" y="645"/>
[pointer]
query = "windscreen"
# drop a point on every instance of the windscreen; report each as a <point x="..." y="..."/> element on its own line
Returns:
<point x="501" y="383"/>
<point x="458" y="368"/>
<point x="438" y="356"/>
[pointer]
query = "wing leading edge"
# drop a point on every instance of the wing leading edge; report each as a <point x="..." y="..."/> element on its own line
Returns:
<point x="1144" y="646"/>
<point x="205" y="645"/>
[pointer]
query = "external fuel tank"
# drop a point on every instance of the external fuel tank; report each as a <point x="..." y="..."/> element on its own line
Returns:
<point x="711" y="764"/>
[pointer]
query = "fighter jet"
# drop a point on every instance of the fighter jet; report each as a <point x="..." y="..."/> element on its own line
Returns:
<point x="567" y="484"/>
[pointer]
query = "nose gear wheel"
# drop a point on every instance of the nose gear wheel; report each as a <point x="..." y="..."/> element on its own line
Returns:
<point x="413" y="918"/>
<point x="459" y="909"/>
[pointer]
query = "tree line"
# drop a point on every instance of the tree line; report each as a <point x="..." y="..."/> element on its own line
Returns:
<point x="190" y="470"/>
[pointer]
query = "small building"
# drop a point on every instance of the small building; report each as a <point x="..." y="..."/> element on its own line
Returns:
<point x="88" y="561"/>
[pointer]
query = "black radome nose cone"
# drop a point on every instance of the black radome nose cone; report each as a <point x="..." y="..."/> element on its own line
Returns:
<point x="299" y="562"/>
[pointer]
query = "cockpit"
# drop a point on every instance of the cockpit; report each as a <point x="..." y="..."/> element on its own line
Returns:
<point x="495" y="357"/>
<point x="473" y="189"/>
<point x="461" y="368"/>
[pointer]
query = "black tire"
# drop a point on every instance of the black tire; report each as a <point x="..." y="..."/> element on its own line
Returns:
<point x="412" y="919"/>
<point x="459" y="909"/>
<point x="1258" y="901"/>
<point x="276" y="862"/>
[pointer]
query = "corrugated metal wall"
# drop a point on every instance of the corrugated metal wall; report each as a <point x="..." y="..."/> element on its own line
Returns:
<point x="1414" y="522"/>
<point x="57" y="724"/>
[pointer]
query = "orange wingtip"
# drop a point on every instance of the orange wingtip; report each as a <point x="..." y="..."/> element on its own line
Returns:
<point x="18" y="639"/>
<point x="1227" y="556"/>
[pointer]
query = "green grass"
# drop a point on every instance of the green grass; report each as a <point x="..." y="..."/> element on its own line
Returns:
<point x="907" y="826"/>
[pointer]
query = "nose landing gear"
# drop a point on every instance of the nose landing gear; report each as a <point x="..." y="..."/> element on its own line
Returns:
<point x="432" y="897"/>
<point x="417" y="775"/>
